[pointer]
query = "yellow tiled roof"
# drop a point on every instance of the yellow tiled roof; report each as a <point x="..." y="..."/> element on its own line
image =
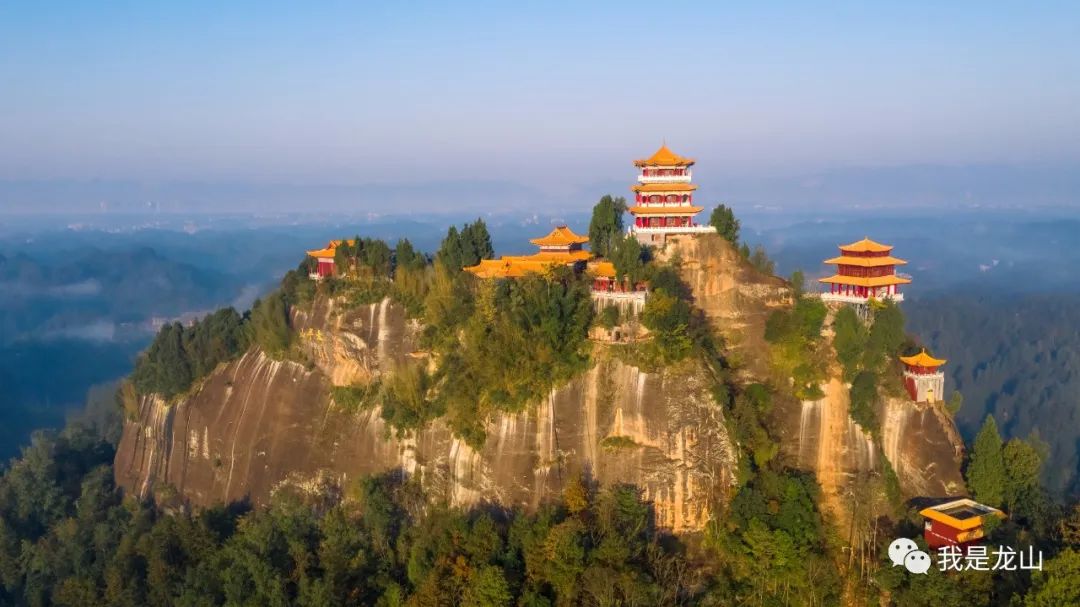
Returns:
<point x="663" y="187"/>
<point x="507" y="268"/>
<point x="922" y="359"/>
<point x="865" y="281"/>
<point x="940" y="513"/>
<point x="683" y="210"/>
<point x="515" y="266"/>
<point x="330" y="248"/>
<point x="866" y="246"/>
<point x="665" y="157"/>
<point x="866" y="262"/>
<point x="560" y="236"/>
<point x="603" y="269"/>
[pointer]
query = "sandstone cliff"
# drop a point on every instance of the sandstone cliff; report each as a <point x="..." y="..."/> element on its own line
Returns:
<point x="919" y="441"/>
<point x="255" y="424"/>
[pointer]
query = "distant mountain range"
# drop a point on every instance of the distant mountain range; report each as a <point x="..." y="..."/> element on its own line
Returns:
<point x="922" y="186"/>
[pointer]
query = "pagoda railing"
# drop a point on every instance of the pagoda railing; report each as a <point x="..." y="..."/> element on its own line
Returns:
<point x="859" y="299"/>
<point x="674" y="229"/>
<point x="664" y="178"/>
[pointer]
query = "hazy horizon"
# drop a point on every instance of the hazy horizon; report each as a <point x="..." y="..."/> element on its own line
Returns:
<point x="279" y="107"/>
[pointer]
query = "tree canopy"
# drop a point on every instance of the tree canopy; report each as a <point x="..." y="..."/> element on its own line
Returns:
<point x="606" y="224"/>
<point x="725" y="222"/>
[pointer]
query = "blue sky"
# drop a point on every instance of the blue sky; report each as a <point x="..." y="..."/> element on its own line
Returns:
<point x="536" y="93"/>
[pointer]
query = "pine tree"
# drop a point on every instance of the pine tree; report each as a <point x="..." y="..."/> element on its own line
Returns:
<point x="723" y="219"/>
<point x="986" y="475"/>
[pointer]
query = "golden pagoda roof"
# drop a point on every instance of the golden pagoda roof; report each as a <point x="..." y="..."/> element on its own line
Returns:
<point x="866" y="246"/>
<point x="330" y="249"/>
<point x="962" y="514"/>
<point x="552" y="256"/>
<point x="681" y="210"/>
<point x="666" y="158"/>
<point x="663" y="187"/>
<point x="603" y="269"/>
<point x="507" y="268"/>
<point x="516" y="266"/>
<point x="866" y="262"/>
<point x="865" y="281"/>
<point x="560" y="236"/>
<point x="922" y="359"/>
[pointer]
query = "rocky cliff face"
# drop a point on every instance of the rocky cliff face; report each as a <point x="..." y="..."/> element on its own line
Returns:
<point x="919" y="441"/>
<point x="256" y="425"/>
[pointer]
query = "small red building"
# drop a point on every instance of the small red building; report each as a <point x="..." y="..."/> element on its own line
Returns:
<point x="923" y="378"/>
<point x="956" y="523"/>
<point x="324" y="258"/>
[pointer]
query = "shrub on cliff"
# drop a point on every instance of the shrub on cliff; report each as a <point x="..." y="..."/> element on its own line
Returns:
<point x="795" y="339"/>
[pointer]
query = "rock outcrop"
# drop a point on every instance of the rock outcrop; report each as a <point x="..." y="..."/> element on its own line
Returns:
<point x="920" y="441"/>
<point x="257" y="424"/>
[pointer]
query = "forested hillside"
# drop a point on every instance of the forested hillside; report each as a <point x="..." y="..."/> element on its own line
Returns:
<point x="1017" y="358"/>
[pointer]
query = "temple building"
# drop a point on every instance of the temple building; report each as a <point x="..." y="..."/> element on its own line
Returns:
<point x="663" y="198"/>
<point x="865" y="270"/>
<point x="923" y="378"/>
<point x="956" y="523"/>
<point x="608" y="289"/>
<point x="324" y="259"/>
<point x="560" y="247"/>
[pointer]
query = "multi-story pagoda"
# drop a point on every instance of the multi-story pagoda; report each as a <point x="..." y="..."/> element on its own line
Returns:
<point x="663" y="198"/>
<point x="865" y="270"/>
<point x="560" y="247"/>
<point x="923" y="378"/>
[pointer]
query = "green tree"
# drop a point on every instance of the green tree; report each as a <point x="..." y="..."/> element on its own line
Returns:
<point x="165" y="367"/>
<point x="450" y="253"/>
<point x="725" y="222"/>
<point x="863" y="399"/>
<point x="761" y="262"/>
<point x="628" y="257"/>
<point x="886" y="336"/>
<point x="475" y="243"/>
<point x="609" y="317"/>
<point x="668" y="317"/>
<point x="956" y="401"/>
<point x="270" y="325"/>
<point x="798" y="283"/>
<point x="486" y="587"/>
<point x="986" y="475"/>
<point x="606" y="225"/>
<point x="849" y="340"/>
<point x="1056" y="584"/>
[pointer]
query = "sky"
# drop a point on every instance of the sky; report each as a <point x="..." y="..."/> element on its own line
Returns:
<point x="550" y="95"/>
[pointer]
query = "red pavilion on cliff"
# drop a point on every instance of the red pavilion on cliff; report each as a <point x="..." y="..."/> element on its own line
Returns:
<point x="865" y="270"/>
<point x="324" y="259"/>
